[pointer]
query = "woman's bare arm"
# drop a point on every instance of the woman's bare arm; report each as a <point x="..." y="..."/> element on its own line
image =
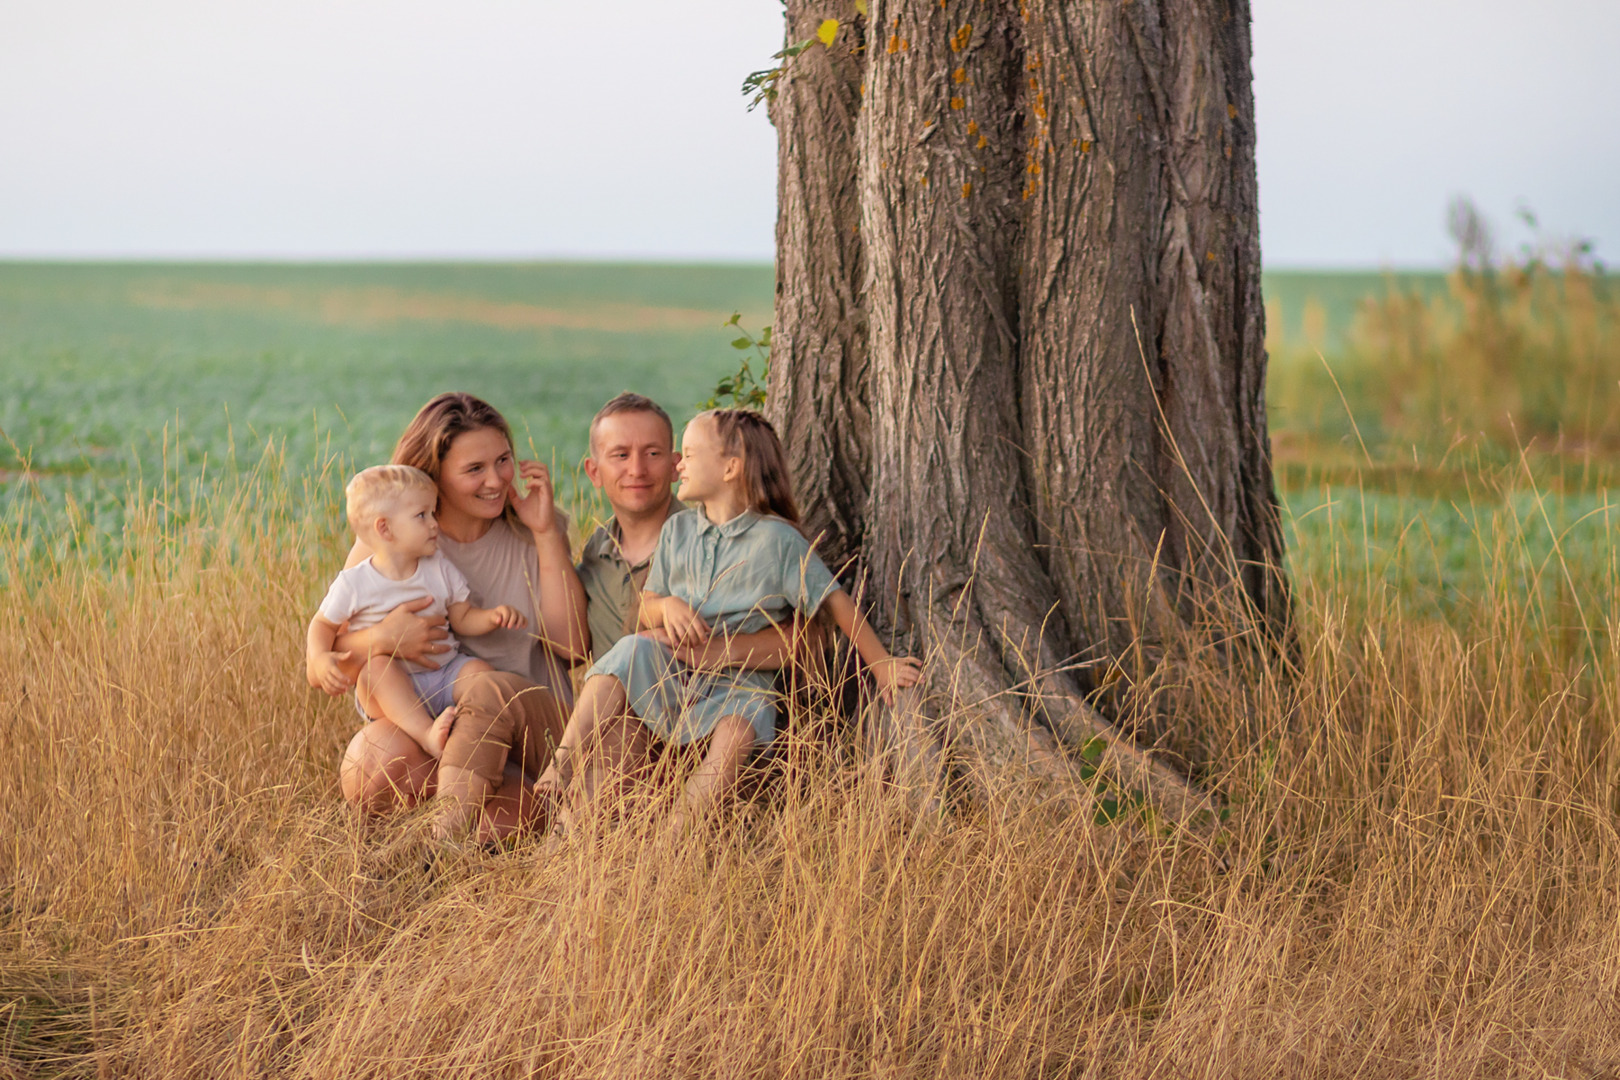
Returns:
<point x="561" y="607"/>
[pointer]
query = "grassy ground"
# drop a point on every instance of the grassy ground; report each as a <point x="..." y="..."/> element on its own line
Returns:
<point x="1416" y="873"/>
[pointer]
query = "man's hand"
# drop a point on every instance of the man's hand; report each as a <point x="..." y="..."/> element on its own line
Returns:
<point x="325" y="670"/>
<point x="894" y="674"/>
<point x="684" y="625"/>
<point x="408" y="636"/>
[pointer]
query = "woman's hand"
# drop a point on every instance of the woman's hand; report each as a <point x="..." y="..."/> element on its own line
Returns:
<point x="685" y="626"/>
<point x="537" y="506"/>
<point x="894" y="674"/>
<point x="409" y="636"/>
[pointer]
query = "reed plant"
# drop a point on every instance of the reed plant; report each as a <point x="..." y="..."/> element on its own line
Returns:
<point x="1519" y="352"/>
<point x="1415" y="872"/>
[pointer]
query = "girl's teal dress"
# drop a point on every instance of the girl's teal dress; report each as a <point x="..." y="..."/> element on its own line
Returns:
<point x="751" y="572"/>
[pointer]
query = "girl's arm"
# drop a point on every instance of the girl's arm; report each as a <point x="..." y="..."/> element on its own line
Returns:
<point x="561" y="604"/>
<point x="683" y="625"/>
<point x="891" y="672"/>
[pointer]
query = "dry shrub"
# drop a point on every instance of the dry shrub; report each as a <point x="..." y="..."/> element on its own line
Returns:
<point x="1518" y="352"/>
<point x="1416" y="874"/>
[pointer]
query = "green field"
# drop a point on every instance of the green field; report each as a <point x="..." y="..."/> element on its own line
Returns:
<point x="111" y="373"/>
<point x="104" y="367"/>
<point x="118" y="375"/>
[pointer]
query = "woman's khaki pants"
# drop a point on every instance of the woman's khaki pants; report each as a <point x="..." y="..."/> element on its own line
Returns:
<point x="502" y="717"/>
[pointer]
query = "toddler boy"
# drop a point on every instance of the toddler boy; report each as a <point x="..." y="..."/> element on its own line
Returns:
<point x="391" y="509"/>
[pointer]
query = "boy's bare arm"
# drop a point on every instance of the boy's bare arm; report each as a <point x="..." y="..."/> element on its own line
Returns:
<point x="469" y="621"/>
<point x="323" y="662"/>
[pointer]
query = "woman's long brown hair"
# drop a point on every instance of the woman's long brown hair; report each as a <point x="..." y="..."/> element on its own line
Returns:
<point x="427" y="438"/>
<point x="767" y="484"/>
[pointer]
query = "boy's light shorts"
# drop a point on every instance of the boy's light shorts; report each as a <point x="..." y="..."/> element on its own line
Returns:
<point x="435" y="688"/>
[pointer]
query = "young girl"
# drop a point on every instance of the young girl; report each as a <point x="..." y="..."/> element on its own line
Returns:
<point x="734" y="564"/>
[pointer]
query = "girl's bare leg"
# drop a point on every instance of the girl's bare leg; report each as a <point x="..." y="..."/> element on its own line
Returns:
<point x="623" y="752"/>
<point x="385" y="769"/>
<point x="729" y="746"/>
<point x="602" y="699"/>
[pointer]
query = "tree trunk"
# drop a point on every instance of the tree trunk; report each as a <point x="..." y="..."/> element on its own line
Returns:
<point x="1019" y="358"/>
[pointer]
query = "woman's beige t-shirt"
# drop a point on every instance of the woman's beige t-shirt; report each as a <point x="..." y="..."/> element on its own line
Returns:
<point x="501" y="567"/>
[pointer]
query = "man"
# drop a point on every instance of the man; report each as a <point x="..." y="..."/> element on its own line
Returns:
<point x="632" y="462"/>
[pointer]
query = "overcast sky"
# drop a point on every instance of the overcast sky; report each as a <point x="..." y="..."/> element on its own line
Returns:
<point x="532" y="129"/>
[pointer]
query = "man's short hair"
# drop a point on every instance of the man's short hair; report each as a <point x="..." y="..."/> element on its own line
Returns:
<point x="627" y="403"/>
<point x="372" y="492"/>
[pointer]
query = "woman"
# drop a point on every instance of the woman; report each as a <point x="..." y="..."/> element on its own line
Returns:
<point x="513" y="549"/>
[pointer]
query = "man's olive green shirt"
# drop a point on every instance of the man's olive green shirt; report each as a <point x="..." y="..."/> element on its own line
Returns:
<point x="612" y="585"/>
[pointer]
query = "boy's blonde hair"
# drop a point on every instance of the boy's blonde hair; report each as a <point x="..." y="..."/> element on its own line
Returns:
<point x="372" y="492"/>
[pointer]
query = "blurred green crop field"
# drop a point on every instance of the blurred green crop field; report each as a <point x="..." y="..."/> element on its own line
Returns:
<point x="123" y="377"/>
<point x="114" y="374"/>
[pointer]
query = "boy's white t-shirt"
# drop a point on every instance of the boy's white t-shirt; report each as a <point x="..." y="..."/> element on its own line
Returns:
<point x="363" y="595"/>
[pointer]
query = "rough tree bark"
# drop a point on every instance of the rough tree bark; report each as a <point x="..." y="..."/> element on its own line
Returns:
<point x="1018" y="357"/>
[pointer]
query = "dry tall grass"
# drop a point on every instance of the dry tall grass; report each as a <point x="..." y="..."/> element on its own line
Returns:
<point x="1417" y="875"/>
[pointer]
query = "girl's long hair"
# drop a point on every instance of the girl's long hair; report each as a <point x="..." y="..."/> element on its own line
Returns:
<point x="767" y="484"/>
<point x="427" y="438"/>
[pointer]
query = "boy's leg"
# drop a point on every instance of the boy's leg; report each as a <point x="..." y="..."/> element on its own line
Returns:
<point x="729" y="746"/>
<point x="499" y="716"/>
<point x="386" y="692"/>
